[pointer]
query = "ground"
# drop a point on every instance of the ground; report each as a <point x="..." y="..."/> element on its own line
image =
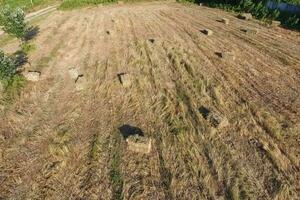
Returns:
<point x="58" y="142"/>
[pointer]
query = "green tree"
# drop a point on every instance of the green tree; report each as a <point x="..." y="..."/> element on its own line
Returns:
<point x="12" y="22"/>
<point x="7" y="66"/>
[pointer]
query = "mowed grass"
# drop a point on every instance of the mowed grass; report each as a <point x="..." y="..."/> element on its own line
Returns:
<point x="73" y="4"/>
<point x="190" y="159"/>
<point x="27" y="5"/>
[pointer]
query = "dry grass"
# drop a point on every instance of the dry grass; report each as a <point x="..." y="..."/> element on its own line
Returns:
<point x="60" y="143"/>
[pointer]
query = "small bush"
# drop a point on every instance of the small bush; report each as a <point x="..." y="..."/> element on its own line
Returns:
<point x="13" y="21"/>
<point x="7" y="67"/>
<point x="290" y="20"/>
<point x="10" y="81"/>
<point x="27" y="48"/>
<point x="258" y="10"/>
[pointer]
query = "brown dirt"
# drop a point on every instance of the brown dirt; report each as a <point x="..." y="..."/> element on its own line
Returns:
<point x="60" y="143"/>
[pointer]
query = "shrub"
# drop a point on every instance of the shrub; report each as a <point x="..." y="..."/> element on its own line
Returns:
<point x="13" y="21"/>
<point x="27" y="47"/>
<point x="11" y="82"/>
<point x="290" y="20"/>
<point x="295" y="2"/>
<point x="13" y="87"/>
<point x="258" y="10"/>
<point x="7" y="67"/>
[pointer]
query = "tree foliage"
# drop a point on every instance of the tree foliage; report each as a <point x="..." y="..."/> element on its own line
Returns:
<point x="12" y="21"/>
<point x="258" y="9"/>
<point x="7" y="66"/>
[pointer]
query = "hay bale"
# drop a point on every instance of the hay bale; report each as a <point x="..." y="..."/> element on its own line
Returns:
<point x="124" y="79"/>
<point x="227" y="55"/>
<point x="74" y="73"/>
<point x="213" y="117"/>
<point x="32" y="75"/>
<point x="225" y="21"/>
<point x="217" y="120"/>
<point x="245" y="16"/>
<point x="80" y="83"/>
<point x="250" y="31"/>
<point x="207" y="32"/>
<point x="139" y="144"/>
<point x="275" y="23"/>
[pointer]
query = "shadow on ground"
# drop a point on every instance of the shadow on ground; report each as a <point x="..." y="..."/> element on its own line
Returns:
<point x="128" y="130"/>
<point x="31" y="32"/>
<point x="19" y="58"/>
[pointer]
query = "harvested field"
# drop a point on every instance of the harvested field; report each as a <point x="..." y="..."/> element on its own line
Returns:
<point x="222" y="127"/>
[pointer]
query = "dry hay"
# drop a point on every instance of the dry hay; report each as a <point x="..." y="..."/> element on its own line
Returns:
<point x="59" y="143"/>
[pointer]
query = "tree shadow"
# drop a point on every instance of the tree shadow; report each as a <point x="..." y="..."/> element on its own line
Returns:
<point x="19" y="58"/>
<point x="31" y="32"/>
<point x="127" y="130"/>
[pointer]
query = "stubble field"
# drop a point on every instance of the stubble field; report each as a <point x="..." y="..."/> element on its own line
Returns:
<point x="61" y="140"/>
